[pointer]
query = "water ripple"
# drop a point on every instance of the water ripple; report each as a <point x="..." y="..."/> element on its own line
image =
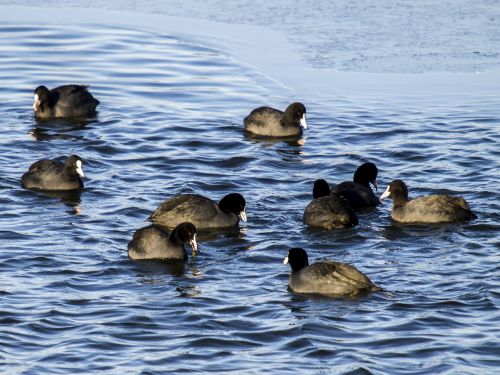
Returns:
<point x="170" y="122"/>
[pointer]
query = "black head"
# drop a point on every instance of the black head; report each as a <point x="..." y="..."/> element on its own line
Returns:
<point x="185" y="233"/>
<point x="297" y="258"/>
<point x="295" y="115"/>
<point x="234" y="203"/>
<point x="74" y="165"/>
<point x="366" y="174"/>
<point x="41" y="91"/>
<point x="321" y="189"/>
<point x="398" y="190"/>
<point x="41" y="98"/>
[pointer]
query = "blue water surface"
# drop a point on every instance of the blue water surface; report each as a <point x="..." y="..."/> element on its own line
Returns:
<point x="170" y="122"/>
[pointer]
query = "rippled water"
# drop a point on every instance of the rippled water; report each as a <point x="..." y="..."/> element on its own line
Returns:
<point x="171" y="122"/>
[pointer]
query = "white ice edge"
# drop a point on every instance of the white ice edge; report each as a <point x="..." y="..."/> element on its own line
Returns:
<point x="269" y="53"/>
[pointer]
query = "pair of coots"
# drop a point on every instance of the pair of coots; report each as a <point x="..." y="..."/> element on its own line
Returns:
<point x="77" y="101"/>
<point x="335" y="208"/>
<point x="184" y="213"/>
<point x="63" y="101"/>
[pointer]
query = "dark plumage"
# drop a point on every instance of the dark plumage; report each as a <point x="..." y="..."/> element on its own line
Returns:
<point x="321" y="189"/>
<point x="201" y="211"/>
<point x="330" y="211"/>
<point x="428" y="209"/>
<point x="270" y="122"/>
<point x="327" y="277"/>
<point x="154" y="242"/>
<point x="53" y="175"/>
<point x="358" y="192"/>
<point x="64" y="101"/>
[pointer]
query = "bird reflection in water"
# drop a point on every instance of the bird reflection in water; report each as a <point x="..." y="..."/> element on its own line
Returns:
<point x="70" y="198"/>
<point x="175" y="274"/>
<point x="50" y="129"/>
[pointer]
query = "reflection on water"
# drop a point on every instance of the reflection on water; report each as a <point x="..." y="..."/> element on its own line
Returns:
<point x="212" y="234"/>
<point x="70" y="198"/>
<point x="52" y="129"/>
<point x="290" y="141"/>
<point x="170" y="122"/>
<point x="152" y="271"/>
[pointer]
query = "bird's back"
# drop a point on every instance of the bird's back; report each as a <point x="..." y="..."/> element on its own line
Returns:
<point x="331" y="278"/>
<point x="357" y="195"/>
<point x="433" y="209"/>
<point x="193" y="208"/>
<point x="266" y="121"/>
<point x="49" y="175"/>
<point x="329" y="212"/>
<point x="73" y="101"/>
<point x="152" y="242"/>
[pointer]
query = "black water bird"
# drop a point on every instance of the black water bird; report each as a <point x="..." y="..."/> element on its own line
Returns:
<point x="358" y="192"/>
<point x="270" y="122"/>
<point x="201" y="211"/>
<point x="154" y="242"/>
<point x="64" y="102"/>
<point x="325" y="277"/>
<point x="328" y="211"/>
<point x="427" y="209"/>
<point x="53" y="175"/>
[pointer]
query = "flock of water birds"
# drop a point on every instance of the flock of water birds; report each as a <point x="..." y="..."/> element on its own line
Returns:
<point x="176" y="221"/>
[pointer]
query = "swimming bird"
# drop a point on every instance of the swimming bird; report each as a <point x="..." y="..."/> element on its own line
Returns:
<point x="325" y="277"/>
<point x="270" y="122"/>
<point x="427" y="209"/>
<point x="358" y="191"/>
<point x="64" y="101"/>
<point x="328" y="211"/>
<point x="154" y="242"/>
<point x="201" y="211"/>
<point x="53" y="175"/>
